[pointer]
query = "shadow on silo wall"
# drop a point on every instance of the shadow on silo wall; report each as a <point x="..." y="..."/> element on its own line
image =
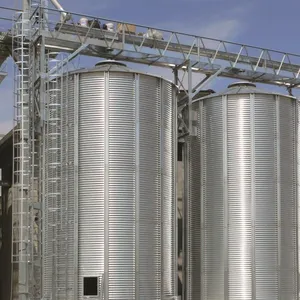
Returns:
<point x="5" y="253"/>
<point x="6" y="158"/>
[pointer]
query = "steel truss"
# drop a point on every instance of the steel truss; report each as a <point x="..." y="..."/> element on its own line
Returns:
<point x="38" y="200"/>
<point x="175" y="49"/>
<point x="187" y="53"/>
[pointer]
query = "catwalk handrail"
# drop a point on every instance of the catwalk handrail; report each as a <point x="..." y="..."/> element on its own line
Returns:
<point x="170" y="31"/>
<point x="206" y="54"/>
<point x="207" y="39"/>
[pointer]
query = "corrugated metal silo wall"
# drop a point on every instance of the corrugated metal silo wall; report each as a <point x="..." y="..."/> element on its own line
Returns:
<point x="241" y="203"/>
<point x="121" y="162"/>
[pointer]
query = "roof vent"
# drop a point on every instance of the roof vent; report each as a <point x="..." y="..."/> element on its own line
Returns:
<point x="241" y="84"/>
<point x="109" y="62"/>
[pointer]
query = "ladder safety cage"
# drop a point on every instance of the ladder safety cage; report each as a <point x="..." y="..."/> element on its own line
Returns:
<point x="21" y="223"/>
<point x="54" y="224"/>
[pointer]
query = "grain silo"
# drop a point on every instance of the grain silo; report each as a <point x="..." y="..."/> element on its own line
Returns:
<point x="241" y="196"/>
<point x="110" y="223"/>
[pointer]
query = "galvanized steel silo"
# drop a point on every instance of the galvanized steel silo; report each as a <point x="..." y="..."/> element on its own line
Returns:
<point x="118" y="171"/>
<point x="241" y="197"/>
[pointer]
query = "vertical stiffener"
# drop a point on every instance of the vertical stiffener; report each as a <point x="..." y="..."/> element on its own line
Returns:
<point x="118" y="182"/>
<point x="241" y="225"/>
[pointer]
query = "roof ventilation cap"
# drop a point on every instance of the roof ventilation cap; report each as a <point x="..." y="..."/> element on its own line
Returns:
<point x="242" y="84"/>
<point x="109" y="62"/>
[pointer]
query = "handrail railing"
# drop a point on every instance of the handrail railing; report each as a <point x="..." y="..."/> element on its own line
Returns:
<point x="156" y="46"/>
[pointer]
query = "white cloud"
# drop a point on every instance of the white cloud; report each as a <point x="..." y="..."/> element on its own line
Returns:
<point x="222" y="29"/>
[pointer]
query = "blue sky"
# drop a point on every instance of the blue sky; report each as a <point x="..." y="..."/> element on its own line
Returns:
<point x="265" y="23"/>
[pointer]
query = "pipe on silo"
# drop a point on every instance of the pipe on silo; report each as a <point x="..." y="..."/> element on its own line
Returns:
<point x="64" y="15"/>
